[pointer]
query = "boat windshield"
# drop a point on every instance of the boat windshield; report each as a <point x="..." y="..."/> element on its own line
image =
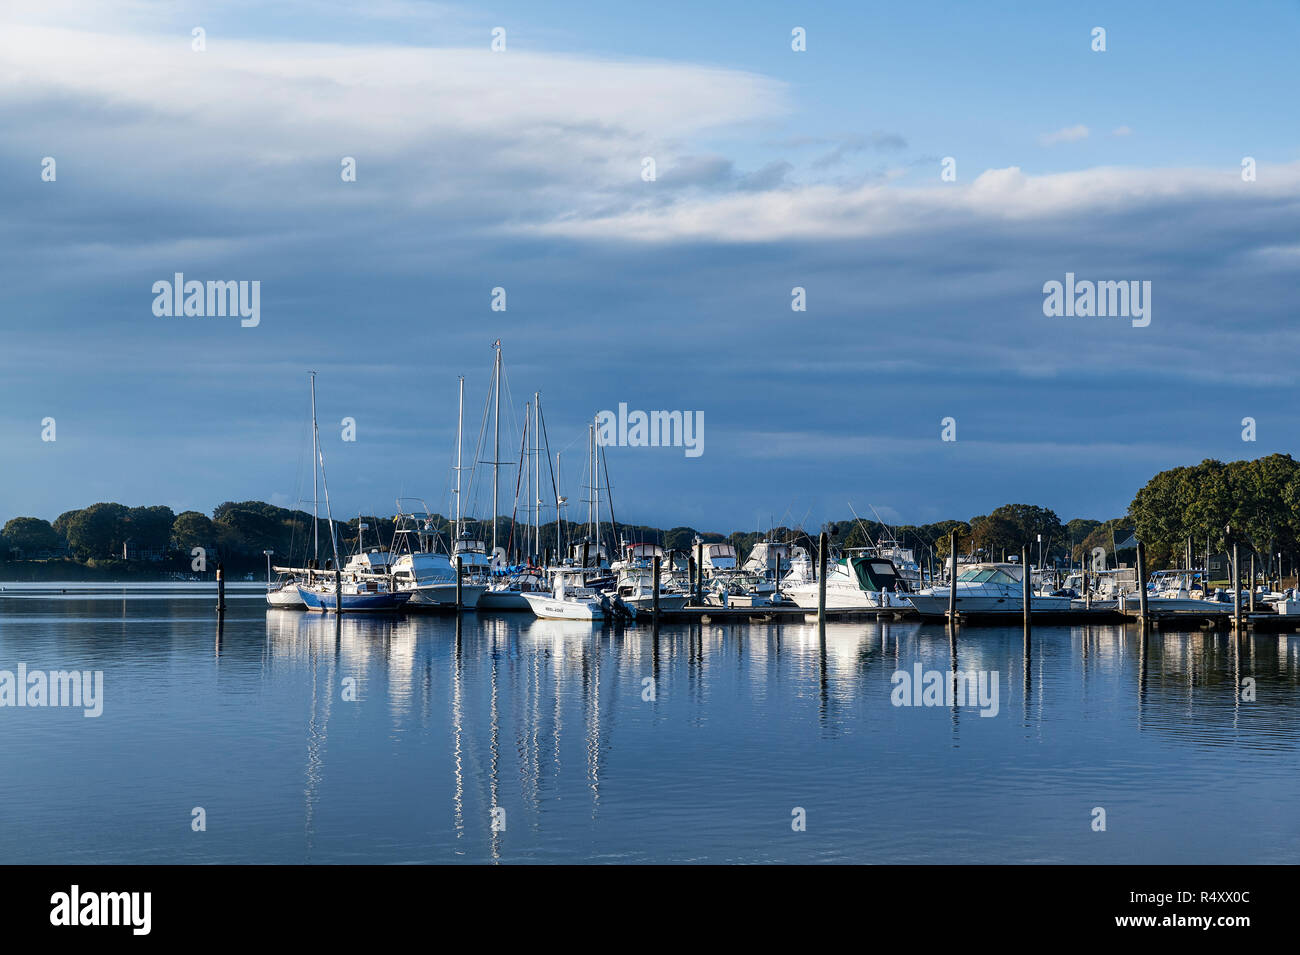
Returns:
<point x="877" y="575"/>
<point x="987" y="575"/>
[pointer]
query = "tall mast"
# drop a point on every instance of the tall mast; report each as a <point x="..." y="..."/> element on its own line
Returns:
<point x="537" y="475"/>
<point x="315" y="507"/>
<point x="557" y="507"/>
<point x="320" y="460"/>
<point x="596" y="445"/>
<point x="460" y="420"/>
<point x="496" y="445"/>
<point x="590" y="438"/>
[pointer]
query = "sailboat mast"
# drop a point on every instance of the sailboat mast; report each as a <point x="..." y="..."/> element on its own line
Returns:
<point x="496" y="444"/>
<point x="315" y="455"/>
<point x="460" y="421"/>
<point x="589" y="438"/>
<point x="558" y="545"/>
<point x="325" y="484"/>
<point x="596" y="445"/>
<point x="537" y="475"/>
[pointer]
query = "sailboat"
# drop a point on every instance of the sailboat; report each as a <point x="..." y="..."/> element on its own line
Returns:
<point x="360" y="591"/>
<point x="507" y="593"/>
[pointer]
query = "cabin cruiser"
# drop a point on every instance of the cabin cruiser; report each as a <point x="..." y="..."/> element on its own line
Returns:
<point x="856" y="581"/>
<point x="508" y="593"/>
<point x="740" y="589"/>
<point x="902" y="558"/>
<point x="569" y="598"/>
<point x="419" y="569"/>
<point x="717" y="556"/>
<point x="986" y="588"/>
<point x="634" y="586"/>
<point x="430" y="579"/>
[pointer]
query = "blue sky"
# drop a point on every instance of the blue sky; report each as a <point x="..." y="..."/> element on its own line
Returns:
<point x="522" y="169"/>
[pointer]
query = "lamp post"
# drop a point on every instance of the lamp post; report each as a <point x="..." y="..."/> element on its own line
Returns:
<point x="268" y="554"/>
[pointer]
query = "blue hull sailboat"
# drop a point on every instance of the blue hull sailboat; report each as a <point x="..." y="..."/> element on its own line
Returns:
<point x="322" y="599"/>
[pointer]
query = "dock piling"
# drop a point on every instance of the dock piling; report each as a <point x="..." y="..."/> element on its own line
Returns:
<point x="823" y="544"/>
<point x="338" y="588"/>
<point x="460" y="605"/>
<point x="1251" y="591"/>
<point x="1027" y="584"/>
<point x="1236" y="591"/>
<point x="1143" y="616"/>
<point x="952" y="579"/>
<point x="654" y="564"/>
<point x="699" y="573"/>
<point x="221" y="589"/>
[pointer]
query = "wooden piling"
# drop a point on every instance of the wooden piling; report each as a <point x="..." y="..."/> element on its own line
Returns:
<point x="952" y="579"/>
<point x="1251" y="592"/>
<point x="338" y="588"/>
<point x="1236" y="591"/>
<point x="654" y="565"/>
<point x="221" y="589"/>
<point x="460" y="573"/>
<point x="699" y="573"/>
<point x="1027" y="584"/>
<point x="823" y="545"/>
<point x="1087" y="590"/>
<point x="1143" y="616"/>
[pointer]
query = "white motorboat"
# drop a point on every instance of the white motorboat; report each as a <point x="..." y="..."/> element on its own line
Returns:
<point x="853" y="582"/>
<point x="569" y="600"/>
<point x="986" y="588"/>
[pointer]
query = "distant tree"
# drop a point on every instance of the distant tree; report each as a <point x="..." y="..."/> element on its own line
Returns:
<point x="996" y="535"/>
<point x="61" y="522"/>
<point x="97" y="531"/>
<point x="30" y="535"/>
<point x="149" y="527"/>
<point x="192" y="529"/>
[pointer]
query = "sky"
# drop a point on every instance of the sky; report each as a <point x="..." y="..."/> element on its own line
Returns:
<point x="524" y="169"/>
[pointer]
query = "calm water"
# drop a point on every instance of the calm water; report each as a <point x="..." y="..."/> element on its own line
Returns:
<point x="547" y="721"/>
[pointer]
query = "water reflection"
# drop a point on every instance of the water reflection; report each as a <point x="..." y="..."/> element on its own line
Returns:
<point x="686" y="742"/>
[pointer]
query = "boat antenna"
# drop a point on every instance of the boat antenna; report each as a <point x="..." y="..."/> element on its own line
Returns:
<point x="862" y="525"/>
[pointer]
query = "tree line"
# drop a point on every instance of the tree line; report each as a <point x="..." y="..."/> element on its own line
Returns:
<point x="1254" y="503"/>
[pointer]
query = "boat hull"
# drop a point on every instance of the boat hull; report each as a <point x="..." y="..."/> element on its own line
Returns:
<point x="936" y="605"/>
<point x="354" y="603"/>
<point x="549" y="607"/>
<point x="503" y="600"/>
<point x="646" y="603"/>
<point x="285" y="598"/>
<point x="444" y="595"/>
<point x="846" y="598"/>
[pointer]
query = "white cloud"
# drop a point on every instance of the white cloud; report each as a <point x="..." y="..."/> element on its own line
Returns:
<point x="996" y="195"/>
<point x="1121" y="131"/>
<point x="1070" y="134"/>
<point x="510" y="122"/>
